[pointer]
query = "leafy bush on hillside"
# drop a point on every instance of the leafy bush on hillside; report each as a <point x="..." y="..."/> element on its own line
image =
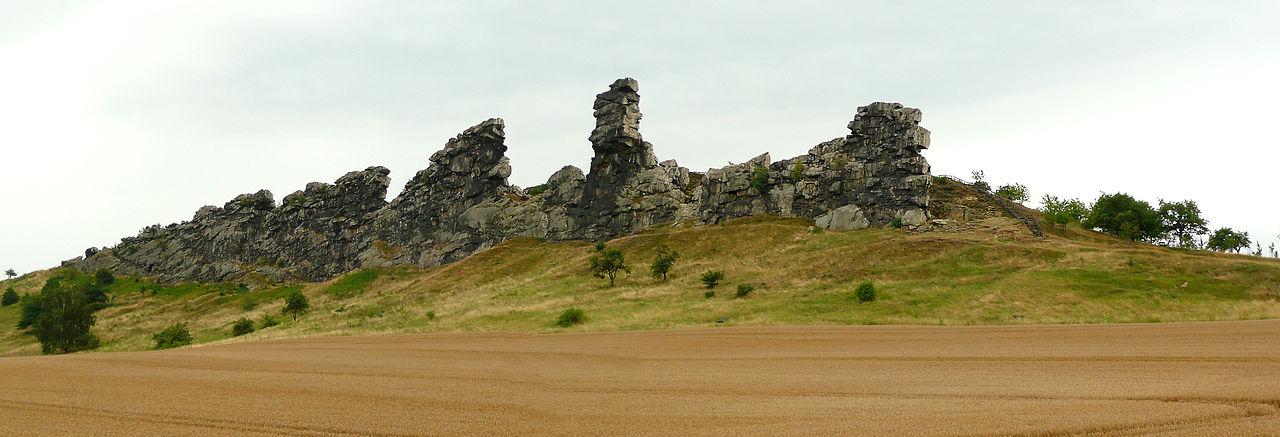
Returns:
<point x="241" y="327"/>
<point x="608" y="263"/>
<point x="296" y="303"/>
<point x="709" y="294"/>
<point x="744" y="290"/>
<point x="866" y="292"/>
<point x="10" y="297"/>
<point x="760" y="179"/>
<point x="176" y="335"/>
<point x="268" y="321"/>
<point x="663" y="262"/>
<point x="570" y="317"/>
<point x="1014" y="192"/>
<point x="711" y="278"/>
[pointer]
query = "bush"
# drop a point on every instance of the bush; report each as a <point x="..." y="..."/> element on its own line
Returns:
<point x="1125" y="217"/>
<point x="242" y="327"/>
<point x="104" y="277"/>
<point x="896" y="223"/>
<point x="760" y="179"/>
<point x="570" y="317"/>
<point x="1062" y="211"/>
<point x="980" y="181"/>
<point x="866" y="292"/>
<point x="797" y="171"/>
<point x="30" y="307"/>
<point x="1014" y="192"/>
<point x="249" y="304"/>
<point x="176" y="335"/>
<point x="608" y="263"/>
<point x="709" y="294"/>
<point x="663" y="262"/>
<point x="268" y="321"/>
<point x="599" y="246"/>
<point x="10" y="297"/>
<point x="295" y="303"/>
<point x="744" y="290"/>
<point x="711" y="278"/>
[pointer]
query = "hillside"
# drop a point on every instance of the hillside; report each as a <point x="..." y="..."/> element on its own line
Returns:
<point x="988" y="269"/>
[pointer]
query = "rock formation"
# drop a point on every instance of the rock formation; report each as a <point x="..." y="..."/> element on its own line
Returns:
<point x="462" y="203"/>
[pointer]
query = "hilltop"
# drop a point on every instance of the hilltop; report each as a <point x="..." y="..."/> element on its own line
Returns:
<point x="982" y="265"/>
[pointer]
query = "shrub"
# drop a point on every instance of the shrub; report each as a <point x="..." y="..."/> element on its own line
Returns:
<point x="1062" y="211"/>
<point x="268" y="321"/>
<point x="663" y="262"/>
<point x="295" y="303"/>
<point x="744" y="290"/>
<point x="249" y="304"/>
<point x="709" y="294"/>
<point x="608" y="264"/>
<point x="104" y="277"/>
<point x="980" y="181"/>
<point x="711" y="278"/>
<point x="242" y="327"/>
<point x="536" y="190"/>
<point x="760" y="179"/>
<point x="1014" y="192"/>
<point x="866" y="292"/>
<point x="30" y="307"/>
<point x="176" y="335"/>
<point x="599" y="246"/>
<point x="570" y="317"/>
<point x="1125" y="217"/>
<point x="431" y="315"/>
<point x="896" y="223"/>
<point x="797" y="171"/>
<point x="10" y="297"/>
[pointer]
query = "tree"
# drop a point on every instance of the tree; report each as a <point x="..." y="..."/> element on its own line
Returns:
<point x="1272" y="248"/>
<point x="1125" y="217"/>
<point x="711" y="278"/>
<point x="1228" y="240"/>
<point x="663" y="262"/>
<point x="10" y="273"/>
<point x="980" y="181"/>
<point x="10" y="297"/>
<point x="30" y="307"/>
<point x="65" y="322"/>
<point x="296" y="303"/>
<point x="1183" y="222"/>
<point x="607" y="264"/>
<point x="1014" y="192"/>
<point x="1062" y="211"/>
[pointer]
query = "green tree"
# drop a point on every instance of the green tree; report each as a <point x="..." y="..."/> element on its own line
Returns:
<point x="711" y="278"/>
<point x="1228" y="240"/>
<point x="663" y="262"/>
<point x="296" y="303"/>
<point x="10" y="297"/>
<point x="607" y="264"/>
<point x="30" y="307"/>
<point x="1014" y="192"/>
<point x="1183" y="222"/>
<point x="1125" y="217"/>
<point x="1063" y="211"/>
<point x="10" y="273"/>
<point x="65" y="322"/>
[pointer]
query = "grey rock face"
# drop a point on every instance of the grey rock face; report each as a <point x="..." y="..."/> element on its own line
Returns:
<point x="462" y="203"/>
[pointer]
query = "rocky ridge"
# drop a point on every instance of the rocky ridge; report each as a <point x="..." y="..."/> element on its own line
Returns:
<point x="462" y="203"/>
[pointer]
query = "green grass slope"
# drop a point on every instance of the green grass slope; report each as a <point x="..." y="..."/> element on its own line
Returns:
<point x="993" y="273"/>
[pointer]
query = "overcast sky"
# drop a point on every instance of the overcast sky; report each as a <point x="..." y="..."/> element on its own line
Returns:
<point x="118" y="115"/>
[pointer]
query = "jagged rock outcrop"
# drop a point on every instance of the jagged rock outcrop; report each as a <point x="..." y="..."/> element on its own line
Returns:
<point x="462" y="203"/>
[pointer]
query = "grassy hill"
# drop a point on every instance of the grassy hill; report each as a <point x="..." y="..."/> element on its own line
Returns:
<point x="992" y="272"/>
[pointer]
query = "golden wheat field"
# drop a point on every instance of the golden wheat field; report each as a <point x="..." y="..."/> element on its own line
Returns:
<point x="1179" y="379"/>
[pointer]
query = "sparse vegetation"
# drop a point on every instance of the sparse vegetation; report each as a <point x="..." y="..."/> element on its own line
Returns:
<point x="570" y="317"/>
<point x="980" y="180"/>
<point x="176" y="335"/>
<point x="709" y="294"/>
<point x="866" y="292"/>
<point x="353" y="284"/>
<point x="241" y="327"/>
<point x="744" y="290"/>
<point x="608" y="263"/>
<point x="663" y="262"/>
<point x="712" y="278"/>
<point x="797" y="171"/>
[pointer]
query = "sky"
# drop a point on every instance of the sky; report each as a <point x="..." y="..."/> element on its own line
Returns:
<point x="118" y="115"/>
